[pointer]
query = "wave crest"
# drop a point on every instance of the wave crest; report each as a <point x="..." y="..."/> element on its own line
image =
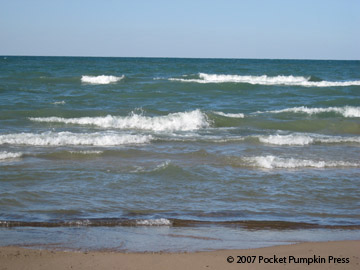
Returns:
<point x="265" y="80"/>
<point x="273" y="162"/>
<point x="304" y="139"/>
<point x="102" y="79"/>
<point x="69" y="138"/>
<point x="231" y="115"/>
<point x="347" y="111"/>
<point x="181" y="121"/>
<point x="9" y="155"/>
<point x="154" y="222"/>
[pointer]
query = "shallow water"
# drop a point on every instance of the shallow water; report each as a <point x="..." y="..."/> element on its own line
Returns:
<point x="129" y="144"/>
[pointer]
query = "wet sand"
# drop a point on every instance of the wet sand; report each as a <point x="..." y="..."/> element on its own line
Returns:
<point x="309" y="255"/>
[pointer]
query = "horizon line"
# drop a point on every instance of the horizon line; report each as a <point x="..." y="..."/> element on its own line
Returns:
<point x="178" y="57"/>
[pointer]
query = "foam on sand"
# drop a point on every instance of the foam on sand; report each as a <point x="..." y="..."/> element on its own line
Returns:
<point x="9" y="155"/>
<point x="68" y="138"/>
<point x="273" y="162"/>
<point x="264" y="80"/>
<point x="102" y="79"/>
<point x="181" y="121"/>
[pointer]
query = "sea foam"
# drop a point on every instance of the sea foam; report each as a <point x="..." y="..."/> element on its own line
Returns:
<point x="231" y="115"/>
<point x="287" y="139"/>
<point x="68" y="138"/>
<point x="181" y="121"/>
<point x="154" y="222"/>
<point x="305" y="139"/>
<point x="273" y="162"/>
<point x="102" y="79"/>
<point x="265" y="80"/>
<point x="346" y="111"/>
<point x="9" y="155"/>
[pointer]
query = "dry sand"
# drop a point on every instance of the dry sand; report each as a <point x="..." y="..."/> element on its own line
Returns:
<point x="21" y="258"/>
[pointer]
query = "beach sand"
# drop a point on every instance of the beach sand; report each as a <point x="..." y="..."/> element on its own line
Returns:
<point x="347" y="251"/>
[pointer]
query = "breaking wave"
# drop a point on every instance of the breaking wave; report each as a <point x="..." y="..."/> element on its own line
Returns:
<point x="181" y="121"/>
<point x="87" y="152"/>
<point x="273" y="162"/>
<point x="347" y="111"/>
<point x="59" y="102"/>
<point x="304" y="139"/>
<point x="102" y="79"/>
<point x="231" y="115"/>
<point x="154" y="222"/>
<point x="265" y="80"/>
<point x="9" y="155"/>
<point x="68" y="138"/>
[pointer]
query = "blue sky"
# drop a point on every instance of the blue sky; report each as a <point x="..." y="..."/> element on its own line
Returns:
<point x="306" y="29"/>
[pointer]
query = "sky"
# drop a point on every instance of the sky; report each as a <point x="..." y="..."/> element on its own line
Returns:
<point x="275" y="29"/>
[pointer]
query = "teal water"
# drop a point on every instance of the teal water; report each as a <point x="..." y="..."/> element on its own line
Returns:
<point x="195" y="147"/>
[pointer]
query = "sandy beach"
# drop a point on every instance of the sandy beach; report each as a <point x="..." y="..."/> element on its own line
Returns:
<point x="319" y="255"/>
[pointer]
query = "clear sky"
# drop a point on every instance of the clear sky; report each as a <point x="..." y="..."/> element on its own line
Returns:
<point x="295" y="29"/>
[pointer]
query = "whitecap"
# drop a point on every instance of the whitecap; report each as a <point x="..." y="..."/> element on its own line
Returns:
<point x="346" y="111"/>
<point x="305" y="139"/>
<point x="265" y="80"/>
<point x="154" y="222"/>
<point x="68" y="138"/>
<point x="231" y="115"/>
<point x="9" y="155"/>
<point x="286" y="139"/>
<point x="59" y="102"/>
<point x="87" y="152"/>
<point x="181" y="121"/>
<point x="273" y="162"/>
<point x="102" y="79"/>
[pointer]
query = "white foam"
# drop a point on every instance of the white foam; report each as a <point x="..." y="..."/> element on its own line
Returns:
<point x="84" y="222"/>
<point x="154" y="222"/>
<point x="347" y="111"/>
<point x="181" y="121"/>
<point x="305" y="139"/>
<point x="232" y="115"/>
<point x="69" y="138"/>
<point x="287" y="139"/>
<point x="9" y="155"/>
<point x="88" y="152"/>
<point x="264" y="80"/>
<point x="272" y="162"/>
<point x="102" y="79"/>
<point x="59" y="102"/>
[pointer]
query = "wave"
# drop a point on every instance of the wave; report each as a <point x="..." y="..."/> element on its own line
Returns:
<point x="59" y="102"/>
<point x="347" y="111"/>
<point x="265" y="80"/>
<point x="231" y="115"/>
<point x="181" y="121"/>
<point x="102" y="79"/>
<point x="112" y="222"/>
<point x="159" y="167"/>
<point x="273" y="162"/>
<point x="304" y="139"/>
<point x="9" y="155"/>
<point x="154" y="222"/>
<point x="88" y="152"/>
<point x="68" y="138"/>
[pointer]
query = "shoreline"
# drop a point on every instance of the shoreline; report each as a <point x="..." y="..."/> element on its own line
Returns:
<point x="319" y="255"/>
